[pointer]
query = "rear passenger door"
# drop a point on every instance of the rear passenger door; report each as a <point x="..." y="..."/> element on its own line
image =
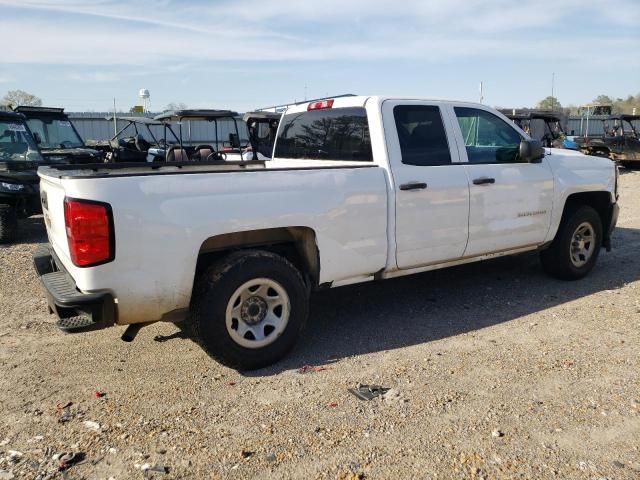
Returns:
<point x="510" y="200"/>
<point x="431" y="186"/>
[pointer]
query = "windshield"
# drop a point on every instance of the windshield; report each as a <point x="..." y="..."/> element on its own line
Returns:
<point x="16" y="143"/>
<point x="54" y="133"/>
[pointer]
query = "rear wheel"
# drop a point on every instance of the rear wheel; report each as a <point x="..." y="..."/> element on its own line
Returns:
<point x="8" y="223"/>
<point x="249" y="308"/>
<point x="574" y="251"/>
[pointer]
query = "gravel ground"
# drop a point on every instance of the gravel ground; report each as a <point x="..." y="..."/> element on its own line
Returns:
<point x="497" y="371"/>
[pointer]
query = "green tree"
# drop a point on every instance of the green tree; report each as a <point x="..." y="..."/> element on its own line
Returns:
<point x="175" y="106"/>
<point x="628" y="104"/>
<point x="16" y="98"/>
<point x="549" y="103"/>
<point x="603" y="100"/>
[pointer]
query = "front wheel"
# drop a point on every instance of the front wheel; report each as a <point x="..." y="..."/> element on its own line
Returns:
<point x="249" y="308"/>
<point x="8" y="223"/>
<point x="576" y="247"/>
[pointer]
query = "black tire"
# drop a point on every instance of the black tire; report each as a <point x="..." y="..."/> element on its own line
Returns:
<point x="8" y="223"/>
<point x="214" y="289"/>
<point x="557" y="259"/>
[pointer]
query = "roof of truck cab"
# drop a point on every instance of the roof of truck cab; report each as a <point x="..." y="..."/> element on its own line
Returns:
<point x="362" y="100"/>
<point x="198" y="114"/>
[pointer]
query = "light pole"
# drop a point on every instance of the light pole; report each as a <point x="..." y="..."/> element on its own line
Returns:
<point x="553" y="99"/>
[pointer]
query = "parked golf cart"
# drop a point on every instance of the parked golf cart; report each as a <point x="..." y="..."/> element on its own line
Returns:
<point x="57" y="137"/>
<point x="619" y="142"/>
<point x="544" y="126"/>
<point x="136" y="141"/>
<point x="19" y="160"/>
<point x="215" y="149"/>
<point x="262" y="127"/>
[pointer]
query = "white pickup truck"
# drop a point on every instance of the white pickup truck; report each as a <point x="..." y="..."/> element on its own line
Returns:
<point x="359" y="188"/>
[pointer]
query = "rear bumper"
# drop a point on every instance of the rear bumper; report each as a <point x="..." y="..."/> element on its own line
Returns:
<point x="76" y="311"/>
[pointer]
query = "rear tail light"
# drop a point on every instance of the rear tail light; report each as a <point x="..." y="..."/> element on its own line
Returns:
<point x="320" y="105"/>
<point x="89" y="227"/>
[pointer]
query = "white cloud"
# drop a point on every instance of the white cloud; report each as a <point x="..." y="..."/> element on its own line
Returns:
<point x="177" y="35"/>
<point x="100" y="77"/>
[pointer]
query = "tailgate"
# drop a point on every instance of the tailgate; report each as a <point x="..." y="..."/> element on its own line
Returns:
<point x="52" y="198"/>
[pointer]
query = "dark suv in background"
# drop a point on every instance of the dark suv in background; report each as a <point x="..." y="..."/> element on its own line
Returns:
<point x="19" y="161"/>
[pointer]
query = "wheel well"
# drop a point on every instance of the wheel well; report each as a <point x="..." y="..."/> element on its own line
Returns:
<point x="599" y="201"/>
<point x="296" y="244"/>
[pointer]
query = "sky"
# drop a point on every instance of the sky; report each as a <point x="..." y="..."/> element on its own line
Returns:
<point x="245" y="54"/>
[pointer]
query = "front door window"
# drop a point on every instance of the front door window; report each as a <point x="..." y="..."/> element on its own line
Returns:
<point x="488" y="138"/>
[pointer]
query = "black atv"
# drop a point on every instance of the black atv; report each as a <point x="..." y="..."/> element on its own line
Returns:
<point x="620" y="141"/>
<point x="262" y="127"/>
<point x="136" y="141"/>
<point x="57" y="137"/>
<point x="19" y="182"/>
<point x="543" y="126"/>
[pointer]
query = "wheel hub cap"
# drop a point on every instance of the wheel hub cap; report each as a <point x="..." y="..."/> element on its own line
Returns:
<point x="253" y="310"/>
<point x="582" y="244"/>
<point x="257" y="313"/>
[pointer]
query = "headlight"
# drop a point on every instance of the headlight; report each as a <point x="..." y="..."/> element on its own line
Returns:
<point x="11" y="187"/>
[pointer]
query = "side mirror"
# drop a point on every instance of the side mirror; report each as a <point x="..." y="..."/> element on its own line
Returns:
<point x="37" y="138"/>
<point x="531" y="151"/>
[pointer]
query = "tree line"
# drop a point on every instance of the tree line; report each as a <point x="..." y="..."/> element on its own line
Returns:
<point x="618" y="105"/>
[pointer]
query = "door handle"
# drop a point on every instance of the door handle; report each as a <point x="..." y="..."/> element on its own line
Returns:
<point x="484" y="181"/>
<point x="413" y="186"/>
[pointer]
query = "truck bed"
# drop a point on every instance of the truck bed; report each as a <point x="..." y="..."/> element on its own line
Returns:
<point x="164" y="215"/>
<point x="103" y="170"/>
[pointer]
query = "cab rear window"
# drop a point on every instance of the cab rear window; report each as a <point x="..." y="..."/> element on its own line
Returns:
<point x="327" y="134"/>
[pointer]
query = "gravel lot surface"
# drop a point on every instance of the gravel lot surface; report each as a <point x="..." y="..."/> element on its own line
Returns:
<point x="497" y="371"/>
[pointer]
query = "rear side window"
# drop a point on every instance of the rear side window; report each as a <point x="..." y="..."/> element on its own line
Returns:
<point x="423" y="140"/>
<point x="327" y="134"/>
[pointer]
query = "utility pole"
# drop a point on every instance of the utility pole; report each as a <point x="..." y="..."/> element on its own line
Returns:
<point x="115" y="122"/>
<point x="481" y="95"/>
<point x="553" y="100"/>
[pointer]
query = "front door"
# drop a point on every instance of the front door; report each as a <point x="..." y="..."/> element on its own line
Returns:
<point x="431" y="187"/>
<point x="510" y="201"/>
